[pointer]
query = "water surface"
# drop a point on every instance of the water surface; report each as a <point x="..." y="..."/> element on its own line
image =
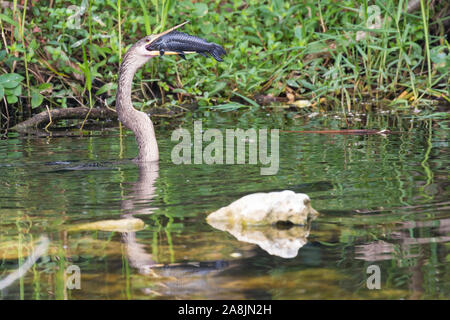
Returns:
<point x="383" y="200"/>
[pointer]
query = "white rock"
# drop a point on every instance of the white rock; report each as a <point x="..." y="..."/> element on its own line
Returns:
<point x="266" y="208"/>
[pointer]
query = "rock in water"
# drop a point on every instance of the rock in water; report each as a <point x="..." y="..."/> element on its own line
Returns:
<point x="121" y="225"/>
<point x="266" y="208"/>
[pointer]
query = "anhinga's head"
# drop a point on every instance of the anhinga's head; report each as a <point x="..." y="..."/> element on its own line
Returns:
<point x="171" y="42"/>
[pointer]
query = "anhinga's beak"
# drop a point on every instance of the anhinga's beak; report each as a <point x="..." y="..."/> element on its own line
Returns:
<point x="159" y="35"/>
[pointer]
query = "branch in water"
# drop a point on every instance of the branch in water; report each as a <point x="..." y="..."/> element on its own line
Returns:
<point x="40" y="250"/>
<point x="46" y="117"/>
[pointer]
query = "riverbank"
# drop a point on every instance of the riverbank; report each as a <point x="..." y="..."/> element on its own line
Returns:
<point x="326" y="55"/>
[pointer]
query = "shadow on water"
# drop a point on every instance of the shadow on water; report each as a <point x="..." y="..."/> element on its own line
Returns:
<point x="383" y="201"/>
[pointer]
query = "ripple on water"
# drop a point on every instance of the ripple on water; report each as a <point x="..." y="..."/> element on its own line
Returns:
<point x="383" y="200"/>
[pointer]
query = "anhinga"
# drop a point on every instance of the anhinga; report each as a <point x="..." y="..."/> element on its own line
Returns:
<point x="167" y="42"/>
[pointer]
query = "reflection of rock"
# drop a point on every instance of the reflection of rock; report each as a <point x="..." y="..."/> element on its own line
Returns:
<point x="251" y="219"/>
<point x="266" y="208"/>
<point x="278" y="242"/>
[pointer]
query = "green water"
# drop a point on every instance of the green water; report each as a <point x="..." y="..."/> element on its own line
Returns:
<point x="383" y="200"/>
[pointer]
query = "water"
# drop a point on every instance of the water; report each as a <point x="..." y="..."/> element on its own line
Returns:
<point x="383" y="200"/>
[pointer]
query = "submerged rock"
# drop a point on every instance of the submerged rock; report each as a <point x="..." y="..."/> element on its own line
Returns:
<point x="265" y="209"/>
<point x="122" y="225"/>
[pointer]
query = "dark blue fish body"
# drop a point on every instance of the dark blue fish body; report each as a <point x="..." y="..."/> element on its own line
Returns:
<point x="181" y="42"/>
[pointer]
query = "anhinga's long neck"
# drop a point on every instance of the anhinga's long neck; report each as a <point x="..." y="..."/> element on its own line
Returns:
<point x="133" y="119"/>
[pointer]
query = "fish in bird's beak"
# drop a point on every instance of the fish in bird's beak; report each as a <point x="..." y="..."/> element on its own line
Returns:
<point x="154" y="38"/>
<point x="175" y="42"/>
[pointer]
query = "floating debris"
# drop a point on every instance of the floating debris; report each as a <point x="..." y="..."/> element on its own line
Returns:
<point x="122" y="225"/>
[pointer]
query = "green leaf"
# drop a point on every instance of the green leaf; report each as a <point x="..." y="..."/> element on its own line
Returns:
<point x="106" y="87"/>
<point x="201" y="9"/>
<point x="36" y="99"/>
<point x="436" y="115"/>
<point x="12" y="99"/>
<point x="253" y="103"/>
<point x="231" y="106"/>
<point x="16" y="91"/>
<point x="87" y="71"/>
<point x="298" y="32"/>
<point x="219" y="87"/>
<point x="10" y="80"/>
<point x="2" y="92"/>
<point x="292" y="83"/>
<point x="9" y="20"/>
<point x="44" y="86"/>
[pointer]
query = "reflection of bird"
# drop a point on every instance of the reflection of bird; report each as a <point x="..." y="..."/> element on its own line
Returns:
<point x="135" y="58"/>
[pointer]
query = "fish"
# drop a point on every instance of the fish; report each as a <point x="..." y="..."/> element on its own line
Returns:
<point x="180" y="42"/>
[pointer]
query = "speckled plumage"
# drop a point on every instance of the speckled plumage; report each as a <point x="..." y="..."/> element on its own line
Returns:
<point x="137" y="121"/>
<point x="136" y="57"/>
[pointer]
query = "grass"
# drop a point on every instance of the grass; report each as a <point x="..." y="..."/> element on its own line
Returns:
<point x="330" y="53"/>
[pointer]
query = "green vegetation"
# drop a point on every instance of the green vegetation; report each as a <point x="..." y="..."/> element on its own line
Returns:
<point x="60" y="54"/>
